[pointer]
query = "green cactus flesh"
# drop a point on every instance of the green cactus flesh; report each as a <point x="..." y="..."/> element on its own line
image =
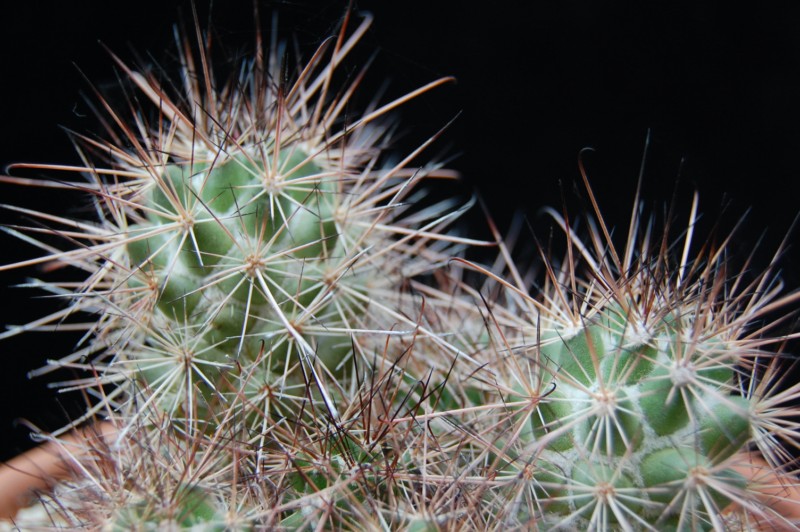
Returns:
<point x="190" y="509"/>
<point x="638" y="421"/>
<point x="239" y="255"/>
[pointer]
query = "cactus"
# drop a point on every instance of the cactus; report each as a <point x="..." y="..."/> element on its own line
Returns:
<point x="244" y="243"/>
<point x="286" y="338"/>
<point x="626" y="391"/>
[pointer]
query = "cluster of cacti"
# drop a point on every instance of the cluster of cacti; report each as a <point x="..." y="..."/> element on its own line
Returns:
<point x="287" y="337"/>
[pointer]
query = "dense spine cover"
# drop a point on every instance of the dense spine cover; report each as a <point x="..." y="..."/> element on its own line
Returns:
<point x="286" y="337"/>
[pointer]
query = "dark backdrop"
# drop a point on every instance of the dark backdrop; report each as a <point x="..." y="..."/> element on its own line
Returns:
<point x="714" y="85"/>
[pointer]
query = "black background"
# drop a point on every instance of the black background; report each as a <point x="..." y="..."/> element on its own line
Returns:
<point x="715" y="85"/>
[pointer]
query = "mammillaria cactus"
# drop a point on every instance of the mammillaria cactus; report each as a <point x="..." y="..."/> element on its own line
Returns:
<point x="628" y="390"/>
<point x="286" y="338"/>
<point x="244" y="226"/>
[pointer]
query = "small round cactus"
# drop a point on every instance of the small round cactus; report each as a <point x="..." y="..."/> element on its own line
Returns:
<point x="245" y="230"/>
<point x="627" y="394"/>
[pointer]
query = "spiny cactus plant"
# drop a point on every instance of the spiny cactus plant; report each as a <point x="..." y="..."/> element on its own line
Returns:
<point x="627" y="392"/>
<point x="285" y="338"/>
<point x="244" y="226"/>
<point x="251" y="241"/>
